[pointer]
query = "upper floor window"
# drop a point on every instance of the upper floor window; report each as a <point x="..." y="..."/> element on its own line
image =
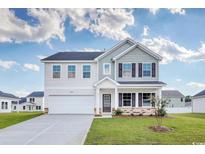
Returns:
<point x="71" y="71"/>
<point x="146" y="70"/>
<point x="56" y="71"/>
<point x="86" y="71"/>
<point x="126" y="70"/>
<point x="106" y="69"/>
<point x="32" y="100"/>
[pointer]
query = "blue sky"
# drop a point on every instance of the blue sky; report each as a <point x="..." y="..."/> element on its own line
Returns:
<point x="26" y="35"/>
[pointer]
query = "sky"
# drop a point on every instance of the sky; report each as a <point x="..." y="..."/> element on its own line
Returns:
<point x="28" y="35"/>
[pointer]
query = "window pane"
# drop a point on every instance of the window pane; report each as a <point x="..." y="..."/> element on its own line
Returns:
<point x="86" y="71"/>
<point x="71" y="71"/>
<point x="126" y="99"/>
<point x="146" y="69"/>
<point x="107" y="68"/>
<point x="56" y="71"/>
<point x="146" y="99"/>
<point x="126" y="68"/>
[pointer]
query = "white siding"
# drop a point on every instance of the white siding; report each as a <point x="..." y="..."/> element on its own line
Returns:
<point x="199" y="105"/>
<point x="179" y="110"/>
<point x="8" y="100"/>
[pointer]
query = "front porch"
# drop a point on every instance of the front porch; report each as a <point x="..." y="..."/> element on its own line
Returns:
<point x="132" y="100"/>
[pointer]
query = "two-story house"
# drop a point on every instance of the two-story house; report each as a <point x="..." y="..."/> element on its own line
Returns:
<point x="125" y="76"/>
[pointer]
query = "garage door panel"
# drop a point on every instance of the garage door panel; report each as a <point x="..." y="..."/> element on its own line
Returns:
<point x="71" y="104"/>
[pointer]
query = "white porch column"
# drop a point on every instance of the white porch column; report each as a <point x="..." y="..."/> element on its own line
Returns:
<point x="160" y="93"/>
<point x="97" y="104"/>
<point x="116" y="98"/>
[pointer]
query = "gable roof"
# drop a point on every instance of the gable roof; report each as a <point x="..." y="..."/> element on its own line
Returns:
<point x="36" y="94"/>
<point x="116" y="46"/>
<point x="201" y="93"/>
<point x="73" y="55"/>
<point x="172" y="93"/>
<point x="22" y="100"/>
<point x="106" y="78"/>
<point x="143" y="48"/>
<point x="8" y="95"/>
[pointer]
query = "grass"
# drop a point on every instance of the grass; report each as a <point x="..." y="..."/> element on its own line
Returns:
<point x="187" y="128"/>
<point x="8" y="119"/>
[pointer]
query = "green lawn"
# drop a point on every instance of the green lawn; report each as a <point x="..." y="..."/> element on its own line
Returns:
<point x="187" y="128"/>
<point x="8" y="119"/>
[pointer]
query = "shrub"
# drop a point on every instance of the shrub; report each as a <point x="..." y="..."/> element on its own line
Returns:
<point x="118" y="112"/>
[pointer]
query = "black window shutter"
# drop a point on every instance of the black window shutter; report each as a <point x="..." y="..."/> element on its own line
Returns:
<point x="140" y="70"/>
<point x="120" y="100"/>
<point x="133" y="99"/>
<point x="140" y="99"/>
<point x="120" y="70"/>
<point x="153" y="70"/>
<point x="133" y="70"/>
<point x="153" y="95"/>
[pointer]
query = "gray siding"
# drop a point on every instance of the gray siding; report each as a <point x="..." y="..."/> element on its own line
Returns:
<point x="108" y="58"/>
<point x="138" y="56"/>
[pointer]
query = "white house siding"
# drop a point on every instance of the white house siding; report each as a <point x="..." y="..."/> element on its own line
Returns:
<point x="175" y="102"/>
<point x="64" y="86"/>
<point x="179" y="110"/>
<point x="137" y="56"/>
<point x="38" y="101"/>
<point x="8" y="100"/>
<point x="108" y="59"/>
<point x="199" y="105"/>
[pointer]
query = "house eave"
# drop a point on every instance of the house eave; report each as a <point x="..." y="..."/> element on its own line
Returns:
<point x="65" y="61"/>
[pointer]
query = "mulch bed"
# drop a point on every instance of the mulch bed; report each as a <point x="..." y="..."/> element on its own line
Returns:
<point x="160" y="129"/>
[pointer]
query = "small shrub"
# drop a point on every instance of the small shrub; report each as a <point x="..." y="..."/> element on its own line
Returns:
<point x="118" y="112"/>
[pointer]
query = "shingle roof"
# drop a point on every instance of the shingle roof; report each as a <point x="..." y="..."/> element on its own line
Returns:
<point x="3" y="94"/>
<point x="171" y="93"/>
<point x="141" y="82"/>
<point x="36" y="94"/>
<point x="201" y="93"/>
<point x="23" y="100"/>
<point x="71" y="55"/>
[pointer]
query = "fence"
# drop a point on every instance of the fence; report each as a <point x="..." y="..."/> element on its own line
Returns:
<point x="179" y="110"/>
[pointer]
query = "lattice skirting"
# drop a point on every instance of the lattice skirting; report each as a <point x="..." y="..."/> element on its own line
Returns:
<point x="138" y="111"/>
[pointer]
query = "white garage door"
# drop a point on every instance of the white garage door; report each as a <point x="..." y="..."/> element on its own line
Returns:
<point x="199" y="105"/>
<point x="71" y="104"/>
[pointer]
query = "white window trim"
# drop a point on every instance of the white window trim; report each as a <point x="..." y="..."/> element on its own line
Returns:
<point x="143" y="70"/>
<point x="75" y="70"/>
<point x="90" y="71"/>
<point x="60" y="71"/>
<point x="130" y="73"/>
<point x="123" y="100"/>
<point x="104" y="73"/>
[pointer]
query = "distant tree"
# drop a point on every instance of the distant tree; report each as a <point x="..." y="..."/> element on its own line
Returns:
<point x="188" y="98"/>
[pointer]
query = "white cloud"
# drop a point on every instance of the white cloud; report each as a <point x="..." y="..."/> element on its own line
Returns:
<point x="178" y="80"/>
<point x="109" y="23"/>
<point x="170" y="50"/>
<point x="146" y="31"/>
<point x="21" y="93"/>
<point x="32" y="67"/>
<point x="41" y="56"/>
<point x="153" y="10"/>
<point x="196" y="84"/>
<point x="172" y="10"/>
<point x="177" y="11"/>
<point x="7" y="64"/>
<point x="89" y="49"/>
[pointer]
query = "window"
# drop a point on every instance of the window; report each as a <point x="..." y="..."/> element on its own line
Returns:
<point x="71" y="71"/>
<point x="2" y="105"/>
<point x="86" y="71"/>
<point x="106" y="68"/>
<point x="38" y="107"/>
<point x="56" y="71"/>
<point x="24" y="107"/>
<point x="32" y="100"/>
<point x="127" y="99"/>
<point x="146" y="99"/>
<point x="6" y="105"/>
<point x="126" y="70"/>
<point x="147" y="70"/>
<point x="14" y="107"/>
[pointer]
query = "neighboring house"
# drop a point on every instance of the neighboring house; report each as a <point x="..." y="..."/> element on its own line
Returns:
<point x="198" y="102"/>
<point x="174" y="97"/>
<point x="125" y="77"/>
<point x="6" y="102"/>
<point x="32" y="102"/>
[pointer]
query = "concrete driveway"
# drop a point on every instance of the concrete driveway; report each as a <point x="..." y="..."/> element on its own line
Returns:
<point x="48" y="130"/>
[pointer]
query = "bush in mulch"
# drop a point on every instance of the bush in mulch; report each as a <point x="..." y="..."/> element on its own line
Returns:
<point x="160" y="129"/>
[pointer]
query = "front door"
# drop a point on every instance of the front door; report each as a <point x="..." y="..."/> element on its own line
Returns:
<point x="106" y="102"/>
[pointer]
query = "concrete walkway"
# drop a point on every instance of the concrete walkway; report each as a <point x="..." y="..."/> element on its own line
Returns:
<point x="48" y="130"/>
